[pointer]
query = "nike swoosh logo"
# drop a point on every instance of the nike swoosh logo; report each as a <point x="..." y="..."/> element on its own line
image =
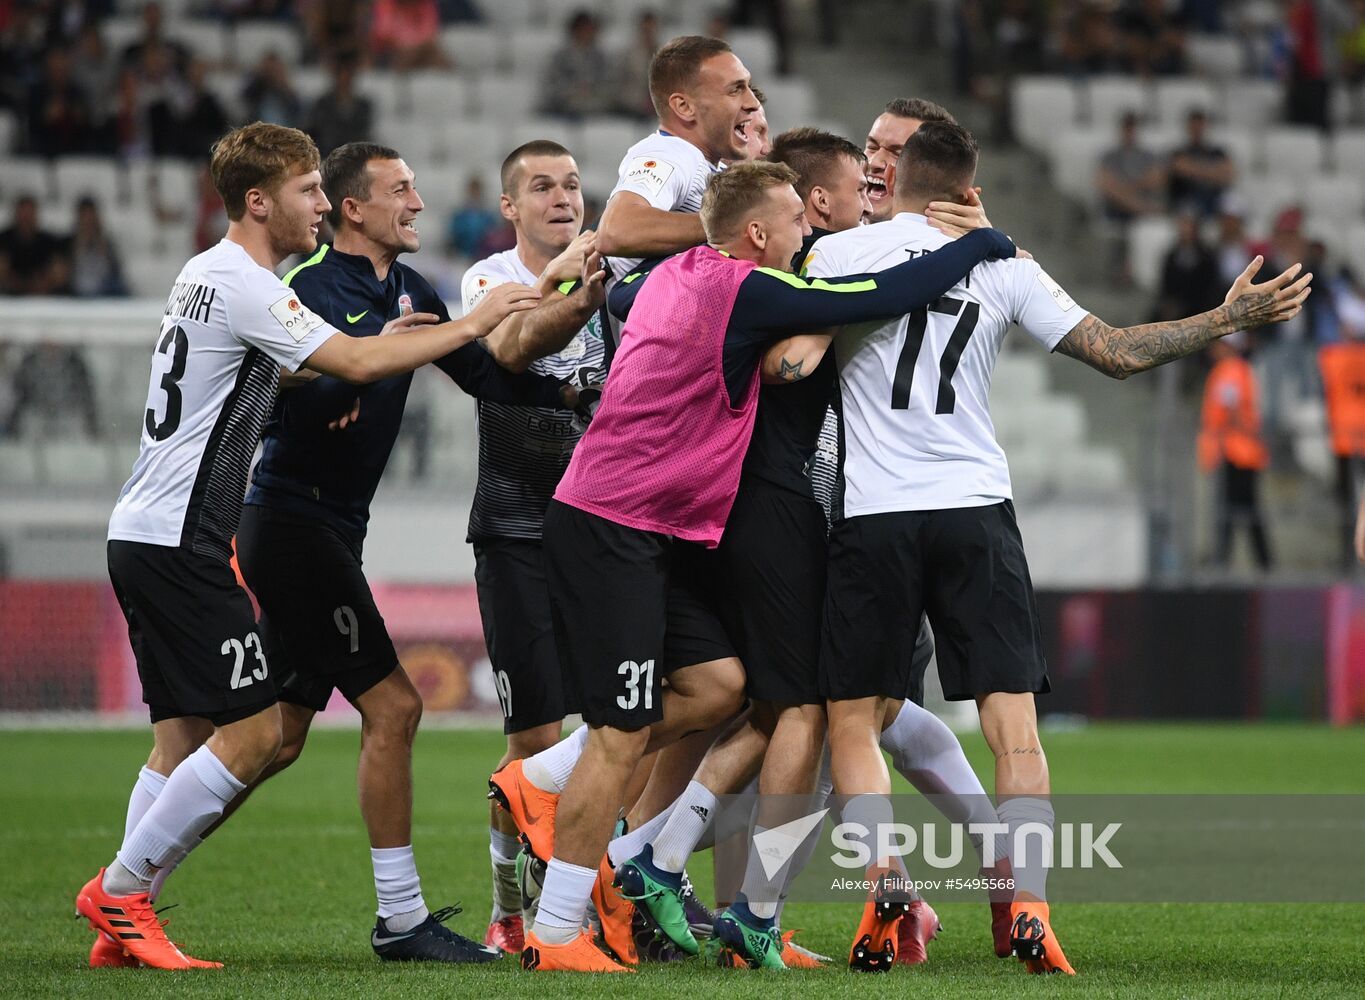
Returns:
<point x="377" y="941"/>
<point x="357" y="317"/>
<point x="531" y="817"/>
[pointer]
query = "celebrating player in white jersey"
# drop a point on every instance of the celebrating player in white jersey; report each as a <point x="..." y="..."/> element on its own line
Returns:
<point x="229" y="325"/>
<point x="701" y="93"/>
<point x="929" y="522"/>
<point x="523" y="452"/>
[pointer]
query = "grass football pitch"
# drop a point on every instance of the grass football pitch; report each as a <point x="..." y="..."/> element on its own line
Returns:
<point x="283" y="893"/>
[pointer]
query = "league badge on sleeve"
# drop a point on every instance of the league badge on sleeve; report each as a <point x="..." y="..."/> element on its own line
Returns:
<point x="404" y="304"/>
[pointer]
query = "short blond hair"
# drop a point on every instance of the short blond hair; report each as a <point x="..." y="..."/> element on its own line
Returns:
<point x="733" y="193"/>
<point x="259" y="155"/>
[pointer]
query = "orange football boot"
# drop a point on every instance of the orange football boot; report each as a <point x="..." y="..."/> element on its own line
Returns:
<point x="532" y="809"/>
<point x="131" y="922"/>
<point x="617" y="915"/>
<point x="507" y="934"/>
<point x="106" y="953"/>
<point x="874" y="943"/>
<point x="1032" y="940"/>
<point x="579" y="955"/>
<point x="794" y="956"/>
<point x="920" y="926"/>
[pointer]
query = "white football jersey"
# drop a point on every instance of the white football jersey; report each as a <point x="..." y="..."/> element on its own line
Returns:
<point x="229" y="325"/>
<point x="915" y="390"/>
<point x="668" y="172"/>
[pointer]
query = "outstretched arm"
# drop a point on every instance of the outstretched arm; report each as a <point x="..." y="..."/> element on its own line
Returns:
<point x="1121" y="352"/>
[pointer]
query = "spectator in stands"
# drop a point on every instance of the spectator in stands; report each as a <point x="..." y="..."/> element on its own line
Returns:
<point x="341" y="115"/>
<point x="1087" y="44"/>
<point x="54" y="395"/>
<point x="1306" y="88"/>
<point x="1343" y="382"/>
<point x="154" y="40"/>
<point x="770" y="14"/>
<point x="576" y="81"/>
<point x="473" y="221"/>
<point x="131" y="133"/>
<point x="96" y="271"/>
<point x="32" y="260"/>
<point x="201" y="119"/>
<point x="269" y="94"/>
<point x="336" y="30"/>
<point x="406" y="35"/>
<point x="1131" y="182"/>
<point x="1152" y="38"/>
<point x="1285" y="352"/>
<point x="1348" y="298"/>
<point x="1201" y="173"/>
<point x="1190" y="282"/>
<point x="22" y="43"/>
<point x="1322" y="321"/>
<point x="96" y="72"/>
<point x="1232" y="247"/>
<point x="59" y="119"/>
<point x="1230" y="443"/>
<point x="162" y="93"/>
<point x="632" y="69"/>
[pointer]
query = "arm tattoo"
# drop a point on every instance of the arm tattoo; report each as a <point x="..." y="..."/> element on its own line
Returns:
<point x="1120" y="353"/>
<point x="792" y="372"/>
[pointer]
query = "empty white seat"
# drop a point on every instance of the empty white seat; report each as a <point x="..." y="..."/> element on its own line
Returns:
<point x="24" y="176"/>
<point x="1218" y="56"/>
<point x="529" y="50"/>
<point x="558" y="130"/>
<point x="1239" y="143"/>
<point x="607" y="139"/>
<point x="516" y="13"/>
<point x="1018" y="375"/>
<point x="151" y="275"/>
<point x="1148" y="241"/>
<point x="100" y="176"/>
<point x="310" y="83"/>
<point x="1338" y="196"/>
<point x="206" y="39"/>
<point x="249" y="40"/>
<point x="477" y="143"/>
<point x="18" y="464"/>
<point x="1039" y="106"/>
<point x="475" y="48"/>
<point x="791" y="103"/>
<point x="1264" y="196"/>
<point x="75" y="463"/>
<point x="121" y="31"/>
<point x="227" y="85"/>
<point x="505" y="95"/>
<point x="757" y="50"/>
<point x="1108" y="98"/>
<point x="9" y="130"/>
<point x="431" y="95"/>
<point x="1253" y="102"/>
<point x="1176" y="97"/>
<point x="381" y="87"/>
<point x="1293" y="149"/>
<point x="1074" y="154"/>
<point x="1348" y="151"/>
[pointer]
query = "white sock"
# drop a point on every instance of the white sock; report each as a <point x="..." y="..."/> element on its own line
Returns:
<point x="823" y="797"/>
<point x="687" y="821"/>
<point x="549" y="770"/>
<point x="398" y="888"/>
<point x="146" y="790"/>
<point x="502" y="851"/>
<point x="872" y="811"/>
<point x="563" y="901"/>
<point x="631" y="843"/>
<point x="194" y="796"/>
<point x="172" y="863"/>
<point x="928" y="755"/>
<point x="1030" y="854"/>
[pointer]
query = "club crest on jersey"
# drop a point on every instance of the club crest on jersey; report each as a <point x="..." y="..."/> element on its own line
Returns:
<point x="296" y="318"/>
<point x="648" y="173"/>
<point x="404" y="304"/>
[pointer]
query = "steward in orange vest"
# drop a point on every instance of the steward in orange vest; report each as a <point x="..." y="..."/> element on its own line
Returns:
<point x="1230" y="440"/>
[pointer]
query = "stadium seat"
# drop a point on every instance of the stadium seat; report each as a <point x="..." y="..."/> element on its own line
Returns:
<point x="1087" y="470"/>
<point x="529" y="50"/>
<point x="474" y="48"/>
<point x="1348" y="151"/>
<point x="1240" y="144"/>
<point x="132" y="227"/>
<point x="558" y="130"/>
<point x="226" y="85"/>
<point x="18" y="464"/>
<point x="1293" y="150"/>
<point x="504" y="95"/>
<point x="310" y="83"/>
<point x="1108" y="97"/>
<point x="758" y="51"/>
<point x="123" y="30"/>
<point x="605" y="140"/>
<point x="25" y="175"/>
<point x="1264" y="196"/>
<point x="1355" y="247"/>
<point x="1018" y="375"/>
<point x="791" y="103"/>
<point x="151" y="275"/>
<point x="477" y="143"/>
<point x="1074" y="154"/>
<point x="9" y="132"/>
<point x="207" y="39"/>
<point x="1338" y="196"/>
<point x="517" y="14"/>
<point x="1039" y="106"/>
<point x="1218" y="56"/>
<point x="1148" y="241"/>
<point x="1254" y="103"/>
<point x="75" y="463"/>
<point x="100" y="176"/>
<point x="1176" y="97"/>
<point x="247" y="41"/>
<point x="432" y="95"/>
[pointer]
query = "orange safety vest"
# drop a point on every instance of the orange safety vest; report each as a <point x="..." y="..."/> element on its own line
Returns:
<point x="1230" y="429"/>
<point x="1343" y="383"/>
